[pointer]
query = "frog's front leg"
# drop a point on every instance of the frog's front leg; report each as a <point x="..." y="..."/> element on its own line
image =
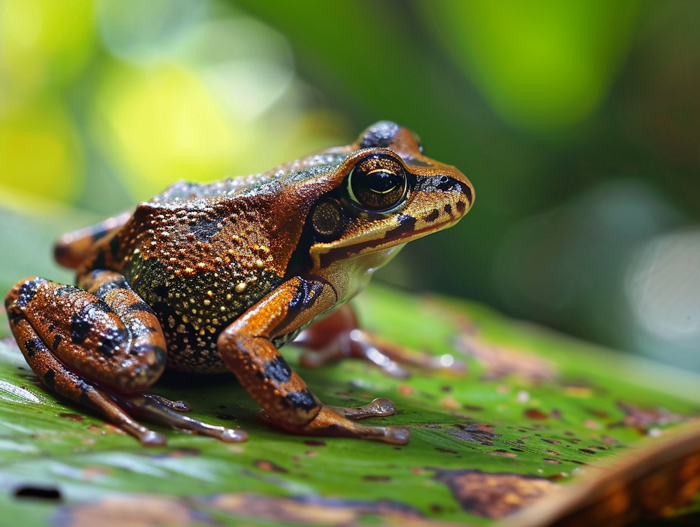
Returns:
<point x="100" y="346"/>
<point x="247" y="348"/>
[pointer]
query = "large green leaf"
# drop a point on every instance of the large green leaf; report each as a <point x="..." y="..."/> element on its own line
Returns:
<point x="532" y="410"/>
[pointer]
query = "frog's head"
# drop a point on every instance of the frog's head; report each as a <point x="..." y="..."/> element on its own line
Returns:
<point x="385" y="193"/>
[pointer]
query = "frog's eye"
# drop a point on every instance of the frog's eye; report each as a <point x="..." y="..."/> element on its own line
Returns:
<point x="378" y="183"/>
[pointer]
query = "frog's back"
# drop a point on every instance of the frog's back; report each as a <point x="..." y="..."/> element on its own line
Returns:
<point x="201" y="254"/>
<point x="198" y="262"/>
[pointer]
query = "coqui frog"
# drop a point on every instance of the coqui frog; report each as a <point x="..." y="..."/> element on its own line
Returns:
<point x="213" y="277"/>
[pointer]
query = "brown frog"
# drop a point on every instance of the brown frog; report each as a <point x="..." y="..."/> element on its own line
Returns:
<point x="215" y="277"/>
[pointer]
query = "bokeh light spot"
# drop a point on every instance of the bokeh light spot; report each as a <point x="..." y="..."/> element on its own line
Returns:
<point x="162" y="124"/>
<point x="39" y="151"/>
<point x="43" y="42"/>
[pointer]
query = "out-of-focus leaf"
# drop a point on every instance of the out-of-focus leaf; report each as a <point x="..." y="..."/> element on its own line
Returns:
<point x="39" y="125"/>
<point x="532" y="409"/>
<point x="36" y="50"/>
<point x="543" y="65"/>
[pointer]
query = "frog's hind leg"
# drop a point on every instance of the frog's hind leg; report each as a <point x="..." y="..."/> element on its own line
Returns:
<point x="101" y="347"/>
<point x="72" y="248"/>
<point x="59" y="378"/>
<point x="338" y="337"/>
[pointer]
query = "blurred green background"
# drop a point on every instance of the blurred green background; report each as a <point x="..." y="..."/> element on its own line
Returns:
<point x="578" y="123"/>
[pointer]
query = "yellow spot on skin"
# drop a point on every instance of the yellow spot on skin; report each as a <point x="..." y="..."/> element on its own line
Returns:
<point x="207" y="302"/>
<point x="259" y="263"/>
<point x="240" y="287"/>
<point x="223" y="308"/>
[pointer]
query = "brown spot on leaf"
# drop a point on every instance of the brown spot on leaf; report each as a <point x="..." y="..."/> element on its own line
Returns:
<point x="72" y="417"/>
<point x="269" y="466"/>
<point x="136" y="511"/>
<point x="314" y="510"/>
<point x="644" y="418"/>
<point x="450" y="402"/>
<point x="502" y="453"/>
<point x="406" y="389"/>
<point x="551" y="441"/>
<point x="494" y="495"/>
<point x="534" y="413"/>
<point x="174" y="453"/>
<point x="480" y="433"/>
<point x="446" y="450"/>
<point x="501" y="361"/>
<point x="376" y="478"/>
<point x="314" y="442"/>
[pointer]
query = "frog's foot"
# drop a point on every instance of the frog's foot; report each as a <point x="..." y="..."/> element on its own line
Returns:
<point x="334" y="421"/>
<point x="337" y="337"/>
<point x="379" y="407"/>
<point x="165" y="412"/>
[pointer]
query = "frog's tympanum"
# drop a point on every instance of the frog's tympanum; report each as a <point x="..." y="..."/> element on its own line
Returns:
<point x="215" y="277"/>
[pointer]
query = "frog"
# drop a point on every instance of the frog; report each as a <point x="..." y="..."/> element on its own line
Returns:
<point x="211" y="277"/>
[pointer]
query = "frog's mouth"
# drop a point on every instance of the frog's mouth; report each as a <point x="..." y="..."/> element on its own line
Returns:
<point x="326" y="254"/>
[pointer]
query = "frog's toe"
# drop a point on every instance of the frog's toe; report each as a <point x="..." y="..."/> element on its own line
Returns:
<point x="232" y="435"/>
<point x="178" y="406"/>
<point x="151" y="438"/>
<point x="331" y="423"/>
<point x="155" y="409"/>
<point x="397" y="435"/>
<point x="380" y="407"/>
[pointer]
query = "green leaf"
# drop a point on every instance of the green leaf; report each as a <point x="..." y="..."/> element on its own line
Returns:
<point x="532" y="410"/>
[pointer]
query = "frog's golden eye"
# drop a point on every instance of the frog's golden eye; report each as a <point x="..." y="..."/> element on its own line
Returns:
<point x="378" y="183"/>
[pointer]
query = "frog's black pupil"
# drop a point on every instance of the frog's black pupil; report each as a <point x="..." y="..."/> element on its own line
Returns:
<point x="378" y="182"/>
<point x="382" y="181"/>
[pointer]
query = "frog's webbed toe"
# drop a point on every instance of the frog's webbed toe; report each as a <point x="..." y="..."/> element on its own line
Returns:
<point x="178" y="406"/>
<point x="379" y="407"/>
<point x="161" y="410"/>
